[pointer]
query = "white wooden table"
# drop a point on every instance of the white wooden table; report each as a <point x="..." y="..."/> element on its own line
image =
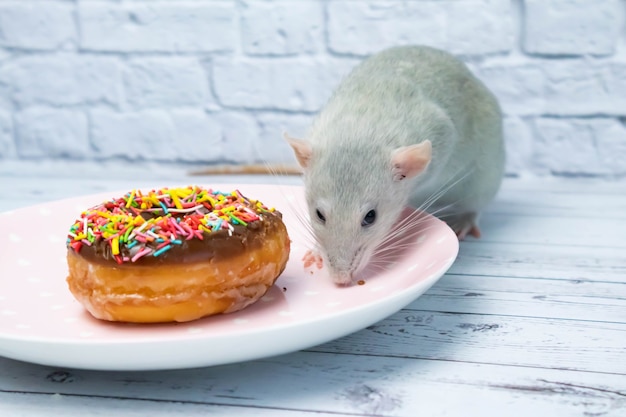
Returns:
<point x="529" y="321"/>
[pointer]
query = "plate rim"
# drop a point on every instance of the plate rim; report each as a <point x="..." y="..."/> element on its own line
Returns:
<point x="391" y="303"/>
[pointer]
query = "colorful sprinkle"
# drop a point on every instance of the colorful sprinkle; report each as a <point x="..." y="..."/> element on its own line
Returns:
<point x="140" y="224"/>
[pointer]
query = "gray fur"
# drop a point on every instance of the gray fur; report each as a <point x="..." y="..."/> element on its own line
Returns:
<point x="399" y="97"/>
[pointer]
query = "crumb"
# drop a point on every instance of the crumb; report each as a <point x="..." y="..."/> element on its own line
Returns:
<point x="284" y="289"/>
<point x="361" y="282"/>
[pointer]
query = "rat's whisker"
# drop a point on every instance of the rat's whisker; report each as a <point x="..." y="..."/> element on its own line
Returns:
<point x="417" y="217"/>
<point x="401" y="229"/>
<point x="454" y="180"/>
<point x="399" y="242"/>
<point x="297" y="209"/>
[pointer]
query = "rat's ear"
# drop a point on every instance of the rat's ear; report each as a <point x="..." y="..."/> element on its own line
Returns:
<point x="301" y="148"/>
<point x="409" y="161"/>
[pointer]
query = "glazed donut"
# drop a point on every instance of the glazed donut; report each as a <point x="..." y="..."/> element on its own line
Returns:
<point x="174" y="255"/>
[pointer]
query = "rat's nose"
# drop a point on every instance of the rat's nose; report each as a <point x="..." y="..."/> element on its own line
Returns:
<point x="341" y="269"/>
<point x="343" y="278"/>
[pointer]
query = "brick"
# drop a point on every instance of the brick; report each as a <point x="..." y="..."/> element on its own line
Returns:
<point x="519" y="88"/>
<point x="610" y="137"/>
<point x="488" y="29"/>
<point x="281" y="27"/>
<point x="270" y="144"/>
<point x="363" y="28"/>
<point x="165" y="82"/>
<point x="518" y="139"/>
<point x="4" y="55"/>
<point x="144" y="135"/>
<point x="571" y="27"/>
<point x="6" y="103"/>
<point x="213" y="137"/>
<point x="7" y="144"/>
<point x="176" y="135"/>
<point x="590" y="146"/>
<point x="616" y="87"/>
<point x="36" y="25"/>
<point x="211" y="103"/>
<point x="278" y="84"/>
<point x="51" y="133"/>
<point x="157" y="26"/>
<point x="62" y="80"/>
<point x="577" y="88"/>
<point x="237" y="136"/>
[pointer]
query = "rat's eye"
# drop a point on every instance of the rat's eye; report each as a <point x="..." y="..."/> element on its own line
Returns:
<point x="320" y="216"/>
<point x="369" y="218"/>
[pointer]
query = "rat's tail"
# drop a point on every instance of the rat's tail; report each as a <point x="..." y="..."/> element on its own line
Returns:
<point x="249" y="169"/>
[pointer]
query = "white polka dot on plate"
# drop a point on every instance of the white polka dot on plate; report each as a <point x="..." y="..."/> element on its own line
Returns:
<point x="70" y="319"/>
<point x="377" y="288"/>
<point x="290" y="197"/>
<point x="44" y="211"/>
<point x="8" y="313"/>
<point x="22" y="326"/>
<point x="56" y="239"/>
<point x="311" y="293"/>
<point x="57" y="307"/>
<point x="46" y="294"/>
<point x="34" y="280"/>
<point x="441" y="239"/>
<point x="285" y="313"/>
<point x="333" y="304"/>
<point x="23" y="262"/>
<point x="86" y="334"/>
<point x="240" y="321"/>
<point x="421" y="238"/>
<point x="412" y="268"/>
<point x="15" y="238"/>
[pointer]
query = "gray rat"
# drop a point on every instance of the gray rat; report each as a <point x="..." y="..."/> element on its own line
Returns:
<point x="411" y="126"/>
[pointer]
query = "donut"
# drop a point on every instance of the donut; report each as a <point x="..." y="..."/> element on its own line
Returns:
<point x="174" y="254"/>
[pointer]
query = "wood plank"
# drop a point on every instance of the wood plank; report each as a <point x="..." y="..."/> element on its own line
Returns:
<point x="565" y="185"/>
<point x="541" y="292"/>
<point x="159" y="170"/>
<point x="546" y="298"/>
<point x="552" y="203"/>
<point x="531" y="229"/>
<point x="344" y="384"/>
<point x="493" y="339"/>
<point x="527" y="260"/>
<point x="53" y="405"/>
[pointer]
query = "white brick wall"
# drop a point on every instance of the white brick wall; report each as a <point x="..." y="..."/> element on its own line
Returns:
<point x="212" y="81"/>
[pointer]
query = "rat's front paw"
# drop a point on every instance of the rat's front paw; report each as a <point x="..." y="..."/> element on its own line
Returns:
<point x="311" y="258"/>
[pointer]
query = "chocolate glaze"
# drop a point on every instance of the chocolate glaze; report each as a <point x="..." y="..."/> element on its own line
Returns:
<point x="216" y="245"/>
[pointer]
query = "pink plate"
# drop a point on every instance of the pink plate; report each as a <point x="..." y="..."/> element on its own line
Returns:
<point x="41" y="322"/>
